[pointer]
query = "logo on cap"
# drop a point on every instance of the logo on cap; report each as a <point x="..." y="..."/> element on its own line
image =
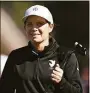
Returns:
<point x="35" y="9"/>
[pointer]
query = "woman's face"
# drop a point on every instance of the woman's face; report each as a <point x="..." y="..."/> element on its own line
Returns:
<point x="37" y="29"/>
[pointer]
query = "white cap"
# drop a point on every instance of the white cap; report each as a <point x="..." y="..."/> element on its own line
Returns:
<point x="39" y="10"/>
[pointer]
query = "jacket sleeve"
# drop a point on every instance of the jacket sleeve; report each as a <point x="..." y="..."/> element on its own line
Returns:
<point x="7" y="79"/>
<point x="70" y="82"/>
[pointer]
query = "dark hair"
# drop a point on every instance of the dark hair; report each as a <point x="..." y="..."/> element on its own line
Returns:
<point x="27" y="18"/>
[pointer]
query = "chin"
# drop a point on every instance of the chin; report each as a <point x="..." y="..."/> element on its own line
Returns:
<point x="37" y="41"/>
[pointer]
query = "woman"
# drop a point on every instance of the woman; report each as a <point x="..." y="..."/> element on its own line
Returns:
<point x="35" y="68"/>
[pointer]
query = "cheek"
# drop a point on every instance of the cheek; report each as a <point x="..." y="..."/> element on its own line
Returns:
<point x="28" y="35"/>
<point x="44" y="30"/>
<point x="27" y="30"/>
<point x="45" y="34"/>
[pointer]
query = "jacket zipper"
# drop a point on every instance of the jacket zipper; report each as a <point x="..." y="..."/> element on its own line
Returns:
<point x="37" y="76"/>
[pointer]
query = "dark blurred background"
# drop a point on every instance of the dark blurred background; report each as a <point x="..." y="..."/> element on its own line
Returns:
<point x="72" y="24"/>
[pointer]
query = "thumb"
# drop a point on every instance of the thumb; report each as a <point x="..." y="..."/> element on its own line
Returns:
<point x="57" y="65"/>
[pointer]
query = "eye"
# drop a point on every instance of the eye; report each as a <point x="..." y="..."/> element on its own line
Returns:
<point x="40" y="24"/>
<point x="29" y="24"/>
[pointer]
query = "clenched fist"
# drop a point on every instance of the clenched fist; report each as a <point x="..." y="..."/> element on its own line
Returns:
<point x="57" y="74"/>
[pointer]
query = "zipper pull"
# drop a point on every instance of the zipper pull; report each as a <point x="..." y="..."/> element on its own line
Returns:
<point x="35" y="53"/>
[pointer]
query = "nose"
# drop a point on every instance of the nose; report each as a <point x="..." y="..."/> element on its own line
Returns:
<point x="34" y="28"/>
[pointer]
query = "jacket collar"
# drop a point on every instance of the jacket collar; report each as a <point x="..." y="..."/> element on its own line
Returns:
<point x="52" y="47"/>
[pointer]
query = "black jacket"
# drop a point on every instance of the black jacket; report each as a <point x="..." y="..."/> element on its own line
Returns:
<point x="27" y="71"/>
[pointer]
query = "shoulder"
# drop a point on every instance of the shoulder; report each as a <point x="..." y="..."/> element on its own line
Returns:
<point x="20" y="54"/>
<point x="71" y="65"/>
<point x="20" y="50"/>
<point x="72" y="59"/>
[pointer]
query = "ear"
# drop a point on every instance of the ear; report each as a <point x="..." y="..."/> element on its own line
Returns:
<point x="51" y="27"/>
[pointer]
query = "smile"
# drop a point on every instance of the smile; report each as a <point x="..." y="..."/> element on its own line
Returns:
<point x="34" y="34"/>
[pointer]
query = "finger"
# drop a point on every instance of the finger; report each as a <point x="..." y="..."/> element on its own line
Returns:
<point x="55" y="77"/>
<point x="56" y="72"/>
<point x="57" y="65"/>
<point x="55" y="80"/>
<point x="58" y="69"/>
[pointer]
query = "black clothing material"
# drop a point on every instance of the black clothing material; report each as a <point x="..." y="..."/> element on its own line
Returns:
<point x="28" y="71"/>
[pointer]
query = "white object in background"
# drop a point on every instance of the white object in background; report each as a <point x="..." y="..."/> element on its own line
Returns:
<point x="3" y="61"/>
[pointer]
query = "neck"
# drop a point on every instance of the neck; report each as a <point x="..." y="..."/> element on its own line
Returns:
<point x="40" y="46"/>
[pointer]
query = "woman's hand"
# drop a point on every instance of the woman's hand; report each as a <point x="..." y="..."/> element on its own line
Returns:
<point x="57" y="74"/>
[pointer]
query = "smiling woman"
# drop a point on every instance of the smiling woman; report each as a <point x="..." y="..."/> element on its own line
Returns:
<point x="37" y="30"/>
<point x="36" y="67"/>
